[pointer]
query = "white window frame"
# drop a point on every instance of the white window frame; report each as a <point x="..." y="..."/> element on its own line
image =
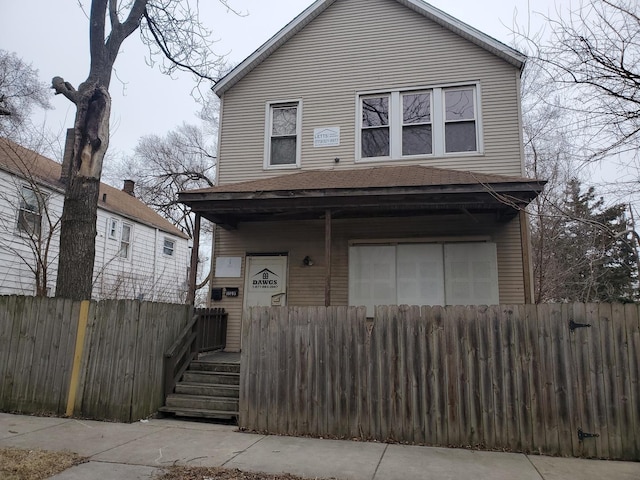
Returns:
<point x="165" y="248"/>
<point x="112" y="228"/>
<point x="41" y="199"/>
<point x="128" y="243"/>
<point x="269" y="107"/>
<point x="438" y="116"/>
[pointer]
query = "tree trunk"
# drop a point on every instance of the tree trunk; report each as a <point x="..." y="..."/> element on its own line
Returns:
<point x="78" y="224"/>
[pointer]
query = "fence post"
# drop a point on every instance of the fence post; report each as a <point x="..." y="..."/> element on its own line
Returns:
<point x="77" y="356"/>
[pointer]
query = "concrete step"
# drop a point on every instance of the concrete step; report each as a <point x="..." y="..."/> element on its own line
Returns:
<point x="228" y="391"/>
<point x="199" y="402"/>
<point x="204" y="366"/>
<point x="199" y="413"/>
<point x="211" y="378"/>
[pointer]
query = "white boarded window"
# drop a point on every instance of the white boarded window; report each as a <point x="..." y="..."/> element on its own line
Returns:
<point x="423" y="274"/>
<point x="471" y="273"/>
<point x="420" y="273"/>
<point x="372" y="276"/>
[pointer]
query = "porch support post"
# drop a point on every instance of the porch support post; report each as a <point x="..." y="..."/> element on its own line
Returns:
<point x="527" y="271"/>
<point x="327" y="258"/>
<point x="193" y="272"/>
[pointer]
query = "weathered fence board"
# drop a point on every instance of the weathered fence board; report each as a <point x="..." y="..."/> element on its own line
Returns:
<point x="121" y="374"/>
<point x="511" y="376"/>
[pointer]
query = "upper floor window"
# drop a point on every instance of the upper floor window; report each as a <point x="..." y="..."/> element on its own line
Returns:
<point x="125" y="241"/>
<point x="460" y="133"/>
<point x="30" y="212"/>
<point x="112" y="228"/>
<point x="408" y="123"/>
<point x="168" y="247"/>
<point x="283" y="135"/>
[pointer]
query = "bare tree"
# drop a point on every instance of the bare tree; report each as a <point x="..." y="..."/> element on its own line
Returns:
<point x="549" y="153"/>
<point x="593" y="54"/>
<point x="172" y="30"/>
<point x="20" y="92"/>
<point x="165" y="165"/>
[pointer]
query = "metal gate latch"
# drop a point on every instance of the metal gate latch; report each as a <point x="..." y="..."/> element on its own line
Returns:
<point x="582" y="435"/>
<point x="573" y="325"/>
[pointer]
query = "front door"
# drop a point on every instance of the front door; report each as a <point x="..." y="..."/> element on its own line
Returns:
<point x="265" y="282"/>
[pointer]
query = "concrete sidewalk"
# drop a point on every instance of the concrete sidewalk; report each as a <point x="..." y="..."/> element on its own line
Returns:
<point x="139" y="450"/>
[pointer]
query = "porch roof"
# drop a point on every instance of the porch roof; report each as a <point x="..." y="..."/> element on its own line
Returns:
<point x="365" y="192"/>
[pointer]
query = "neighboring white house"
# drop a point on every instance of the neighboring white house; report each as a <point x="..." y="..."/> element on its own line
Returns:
<point x="139" y="254"/>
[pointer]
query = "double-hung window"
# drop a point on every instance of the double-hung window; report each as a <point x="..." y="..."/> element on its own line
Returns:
<point x="460" y="120"/>
<point x="417" y="136"/>
<point x="112" y="228"/>
<point x="418" y="122"/>
<point x="125" y="241"/>
<point x="30" y="212"/>
<point x="282" y="149"/>
<point x="375" y="126"/>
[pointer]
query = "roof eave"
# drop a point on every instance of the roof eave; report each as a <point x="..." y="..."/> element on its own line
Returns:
<point x="267" y="48"/>
<point x="534" y="187"/>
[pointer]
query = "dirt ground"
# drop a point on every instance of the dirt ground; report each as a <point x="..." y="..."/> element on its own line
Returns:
<point x="215" y="473"/>
<point x="23" y="464"/>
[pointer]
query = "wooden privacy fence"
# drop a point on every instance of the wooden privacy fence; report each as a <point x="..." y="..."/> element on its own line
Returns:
<point x="118" y="345"/>
<point x="527" y="378"/>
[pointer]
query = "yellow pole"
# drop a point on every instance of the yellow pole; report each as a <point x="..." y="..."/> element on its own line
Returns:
<point x="77" y="356"/>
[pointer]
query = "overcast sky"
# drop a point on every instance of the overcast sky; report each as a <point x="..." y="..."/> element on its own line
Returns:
<point x="53" y="36"/>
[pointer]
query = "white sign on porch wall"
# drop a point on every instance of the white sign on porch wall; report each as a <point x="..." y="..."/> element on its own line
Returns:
<point x="326" y="137"/>
<point x="229" y="267"/>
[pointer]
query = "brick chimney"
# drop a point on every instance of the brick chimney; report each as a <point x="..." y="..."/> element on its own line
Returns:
<point x="128" y="187"/>
<point x="66" y="158"/>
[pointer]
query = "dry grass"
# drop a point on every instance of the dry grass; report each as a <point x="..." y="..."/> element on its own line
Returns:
<point x="216" y="473"/>
<point x="21" y="464"/>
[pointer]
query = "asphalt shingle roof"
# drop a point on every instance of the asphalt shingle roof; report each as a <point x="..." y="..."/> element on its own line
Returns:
<point x="376" y="177"/>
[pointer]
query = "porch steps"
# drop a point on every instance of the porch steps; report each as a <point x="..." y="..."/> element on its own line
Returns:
<point x="208" y="389"/>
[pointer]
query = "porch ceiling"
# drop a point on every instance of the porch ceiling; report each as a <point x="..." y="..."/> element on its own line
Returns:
<point x="383" y="191"/>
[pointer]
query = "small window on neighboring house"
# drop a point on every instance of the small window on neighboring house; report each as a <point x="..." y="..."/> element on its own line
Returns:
<point x="125" y="241"/>
<point x="283" y="127"/>
<point x="169" y="247"/>
<point x="112" y="228"/>
<point x="30" y="213"/>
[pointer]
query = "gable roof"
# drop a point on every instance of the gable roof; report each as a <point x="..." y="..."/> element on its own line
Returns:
<point x="26" y="163"/>
<point x="468" y="32"/>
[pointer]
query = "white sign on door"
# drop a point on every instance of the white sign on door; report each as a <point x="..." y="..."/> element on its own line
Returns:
<point x="265" y="280"/>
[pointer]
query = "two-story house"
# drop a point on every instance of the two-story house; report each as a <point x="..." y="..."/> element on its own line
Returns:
<point x="139" y="254"/>
<point x="370" y="153"/>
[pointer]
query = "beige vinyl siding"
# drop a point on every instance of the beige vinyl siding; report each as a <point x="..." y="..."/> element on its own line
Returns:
<point x="358" y="46"/>
<point x="306" y="284"/>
